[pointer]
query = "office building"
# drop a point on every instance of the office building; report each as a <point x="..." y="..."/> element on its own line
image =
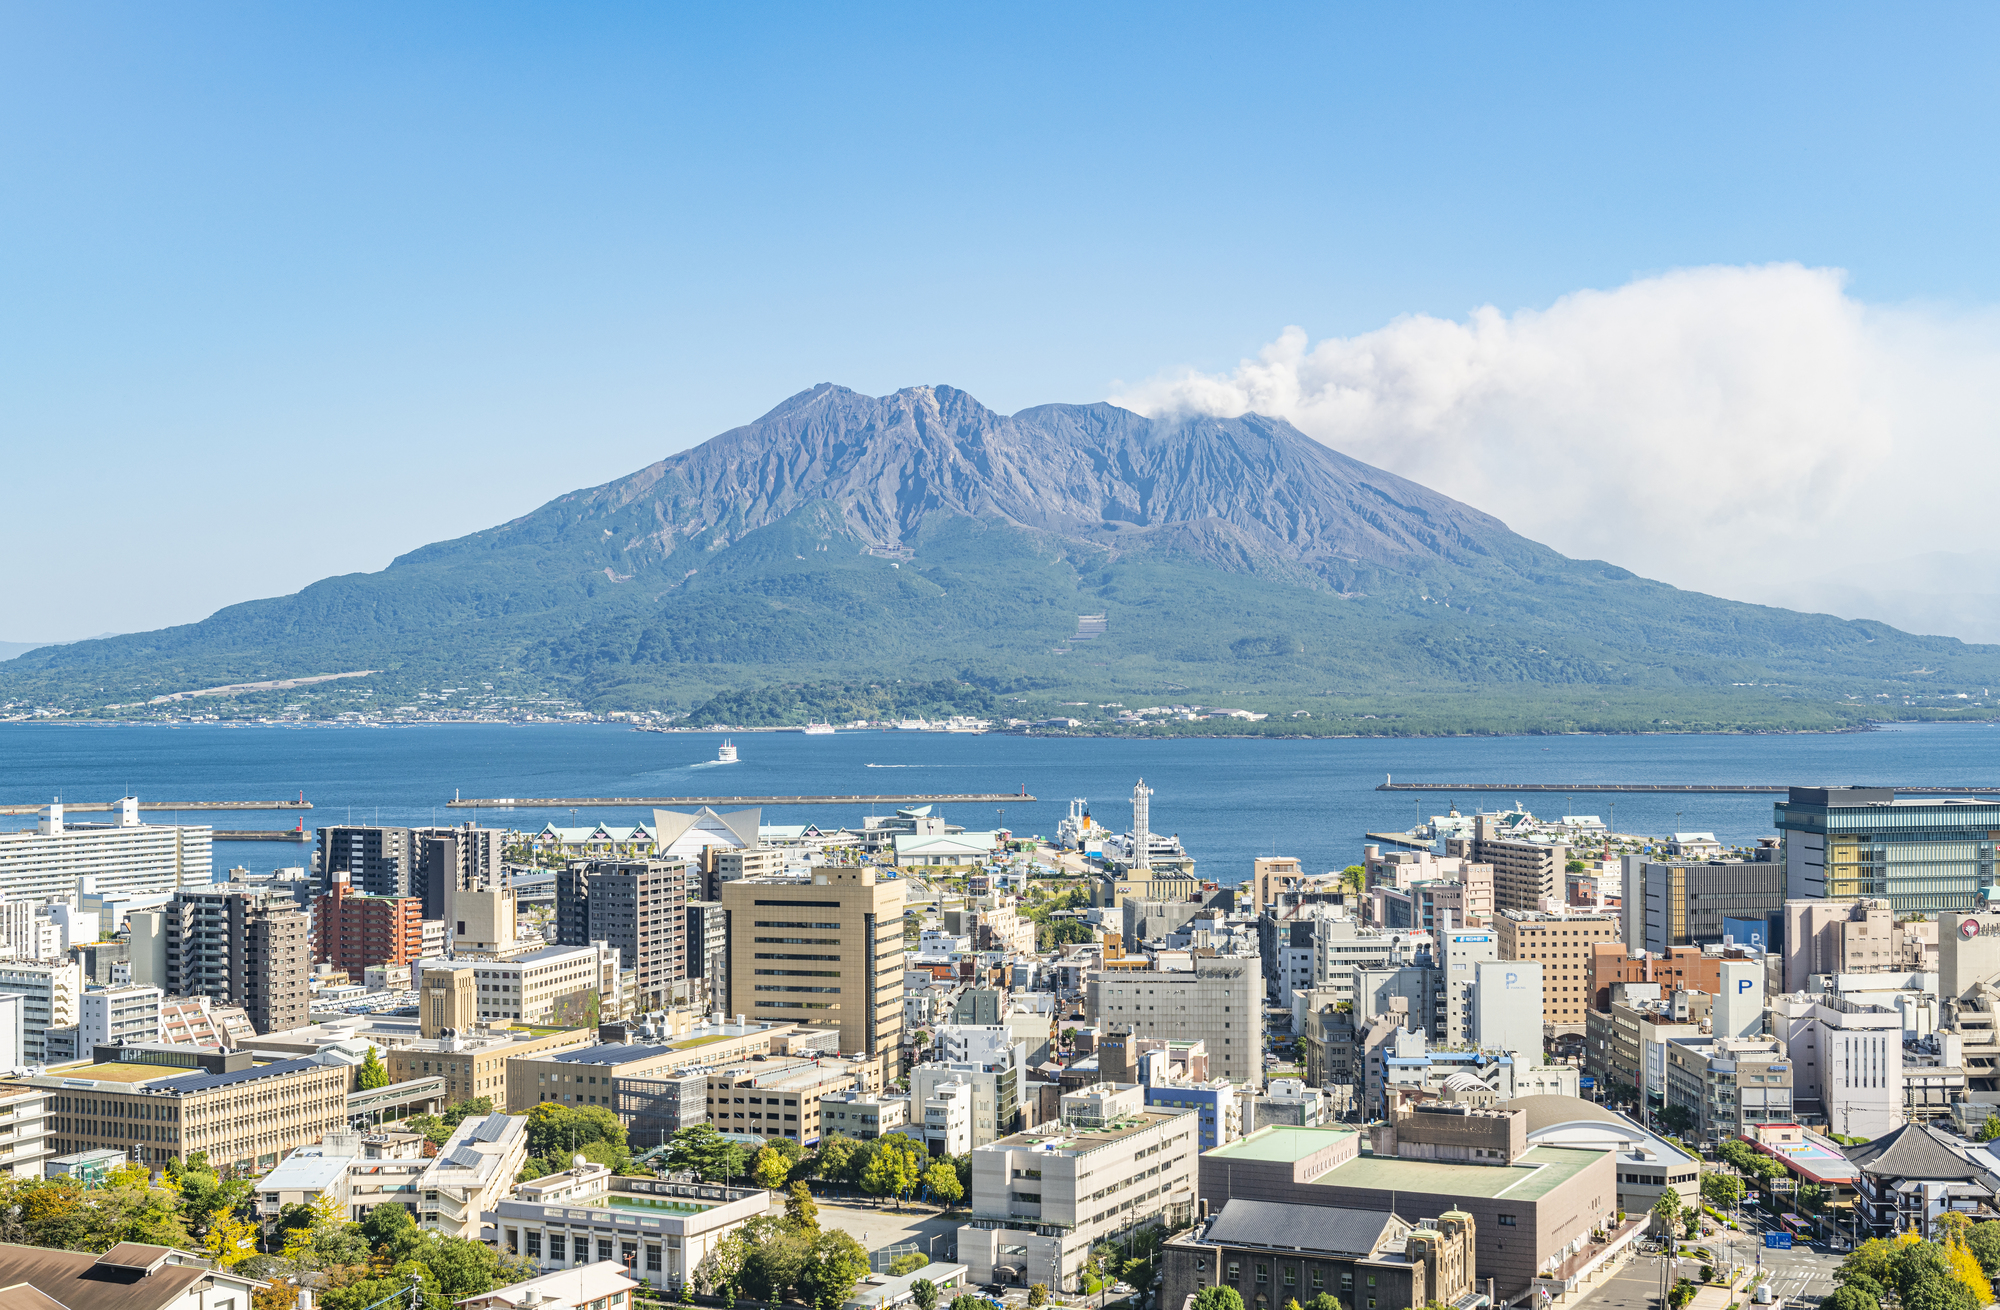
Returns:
<point x="560" y="986"/>
<point x="1925" y="856"/>
<point x="1532" y="1206"/>
<point x="111" y="1015"/>
<point x="239" y="947"/>
<point x="583" y="1071"/>
<point x="823" y="950"/>
<point x="162" y="1102"/>
<point x="1270" y="875"/>
<point x="1509" y="1009"/>
<point x="1285" y="1252"/>
<point x="638" y="907"/>
<point x="124" y="856"/>
<point x="13" y="1031"/>
<point x="782" y="1097"/>
<point x="1668" y="903"/>
<point x="1847" y="1062"/>
<point x="996" y="1093"/>
<point x="864" y="1116"/>
<point x="1042" y="1200"/>
<point x="1729" y="1084"/>
<point x="483" y="921"/>
<point x="475" y="1064"/>
<point x="1676" y="968"/>
<point x="1836" y="937"/>
<point x="1219" y="1003"/>
<point x="29" y="932"/>
<point x="49" y="993"/>
<point x="356" y="933"/>
<point x="1561" y="942"/>
<point x="473" y="1170"/>
<point x="1625" y="1043"/>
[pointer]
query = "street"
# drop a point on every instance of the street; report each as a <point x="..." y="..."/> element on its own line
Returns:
<point x="1798" y="1277"/>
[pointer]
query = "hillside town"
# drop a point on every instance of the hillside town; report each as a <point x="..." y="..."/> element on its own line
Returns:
<point x="710" y="1056"/>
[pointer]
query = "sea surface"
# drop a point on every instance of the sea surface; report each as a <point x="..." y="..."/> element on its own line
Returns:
<point x="1228" y="799"/>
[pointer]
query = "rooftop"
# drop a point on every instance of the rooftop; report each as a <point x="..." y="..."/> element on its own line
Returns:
<point x="1281" y="1144"/>
<point x="1530" y="1178"/>
<point x="1077" y="1141"/>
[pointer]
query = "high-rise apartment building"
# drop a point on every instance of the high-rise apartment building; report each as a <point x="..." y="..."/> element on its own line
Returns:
<point x="354" y="933"/>
<point x="49" y="992"/>
<point x="639" y="907"/>
<point x="240" y="947"/>
<point x="124" y="856"/>
<point x="1926" y="856"/>
<point x="1563" y="944"/>
<point x="111" y="1015"/>
<point x="706" y="950"/>
<point x="377" y="861"/>
<point x="450" y="860"/>
<point x="822" y="950"/>
<point x="1526" y="874"/>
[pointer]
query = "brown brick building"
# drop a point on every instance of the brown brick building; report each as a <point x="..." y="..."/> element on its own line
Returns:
<point x="1681" y="967"/>
<point x="353" y="932"/>
<point x="1564" y="943"/>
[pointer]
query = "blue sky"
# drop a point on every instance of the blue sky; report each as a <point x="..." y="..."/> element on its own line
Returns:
<point x="289" y="290"/>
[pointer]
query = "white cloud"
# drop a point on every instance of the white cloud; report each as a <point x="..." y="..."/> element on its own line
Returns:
<point x="1726" y="429"/>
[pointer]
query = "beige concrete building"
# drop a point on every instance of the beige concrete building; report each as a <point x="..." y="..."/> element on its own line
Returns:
<point x="159" y="1103"/>
<point x="475" y="1064"/>
<point x="1270" y="874"/>
<point x="1526" y="874"/>
<point x="782" y="1098"/>
<point x="826" y="951"/>
<point x="1564" y="943"/>
<point x="580" y="1074"/>
<point x="449" y="1000"/>
<point x="658" y="1231"/>
<point x="1041" y="1200"/>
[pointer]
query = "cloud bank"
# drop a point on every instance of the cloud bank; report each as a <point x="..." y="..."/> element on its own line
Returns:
<point x="1738" y="431"/>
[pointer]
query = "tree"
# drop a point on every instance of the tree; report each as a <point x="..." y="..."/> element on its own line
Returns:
<point x="1324" y="1301"/>
<point x="1038" y="1296"/>
<point x="836" y="1159"/>
<point x="711" y="1156"/>
<point x="1667" y="1210"/>
<point x="230" y="1240"/>
<point x="894" y="1169"/>
<point x="1677" y="1118"/>
<point x="968" y="1302"/>
<point x="770" y="1169"/>
<point x="799" y="1207"/>
<point x="1217" y="1298"/>
<point x="1870" y="1260"/>
<point x="459" y="1111"/>
<point x="1984" y="1243"/>
<point x="1721" y="1190"/>
<point x="942" y="1179"/>
<point x="1850" y="1298"/>
<point x="924" y="1293"/>
<point x="373" y="1072"/>
<point x="1964" y="1265"/>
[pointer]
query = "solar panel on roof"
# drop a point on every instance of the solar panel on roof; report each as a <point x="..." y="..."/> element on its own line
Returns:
<point x="464" y="1156"/>
<point x="490" y="1128"/>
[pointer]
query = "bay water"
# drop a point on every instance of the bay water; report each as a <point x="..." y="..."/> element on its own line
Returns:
<point x="1228" y="799"/>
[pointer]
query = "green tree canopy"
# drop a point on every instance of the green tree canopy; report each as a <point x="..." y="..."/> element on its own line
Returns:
<point x="924" y="1293"/>
<point x="709" y="1154"/>
<point x="1721" y="1190"/>
<point x="1218" y="1298"/>
<point x="834" y="1265"/>
<point x="373" y="1072"/>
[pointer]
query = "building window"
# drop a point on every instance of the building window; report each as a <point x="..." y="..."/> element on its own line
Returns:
<point x="534" y="1244"/>
<point x="1235" y="1272"/>
<point x="557" y="1242"/>
<point x="1506" y="1221"/>
<point x="1263" y="1272"/>
<point x="1319" y="1280"/>
<point x="1291" y="1275"/>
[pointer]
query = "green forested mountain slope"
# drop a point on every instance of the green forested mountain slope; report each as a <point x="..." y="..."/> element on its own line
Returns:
<point x="921" y="536"/>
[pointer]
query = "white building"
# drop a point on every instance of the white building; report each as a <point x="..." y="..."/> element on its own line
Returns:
<point x="307" y="1172"/>
<point x="528" y="989"/>
<point x="23" y="1147"/>
<point x="941" y="1116"/>
<point x="1507" y="1008"/>
<point x="28" y="932"/>
<point x="1847" y="1061"/>
<point x="601" y="1286"/>
<point x="996" y="1094"/>
<point x="49" y="999"/>
<point x="117" y="1014"/>
<point x="976" y="1043"/>
<point x="659" y="1230"/>
<point x="13" y="1034"/>
<point x="471" y="1173"/>
<point x="1042" y="1200"/>
<point x="124" y="857"/>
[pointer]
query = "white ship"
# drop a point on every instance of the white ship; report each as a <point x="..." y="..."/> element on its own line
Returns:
<point x="727" y="754"/>
<point x="965" y="723"/>
<point x="819" y="730"/>
<point x="913" y="725"/>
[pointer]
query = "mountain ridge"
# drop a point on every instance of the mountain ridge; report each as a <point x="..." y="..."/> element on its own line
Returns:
<point x="922" y="535"/>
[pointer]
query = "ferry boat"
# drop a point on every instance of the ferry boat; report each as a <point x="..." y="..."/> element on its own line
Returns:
<point x="819" y="730"/>
<point x="727" y="754"/>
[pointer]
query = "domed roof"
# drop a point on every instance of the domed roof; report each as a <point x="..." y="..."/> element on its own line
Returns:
<point x="1548" y="1111"/>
